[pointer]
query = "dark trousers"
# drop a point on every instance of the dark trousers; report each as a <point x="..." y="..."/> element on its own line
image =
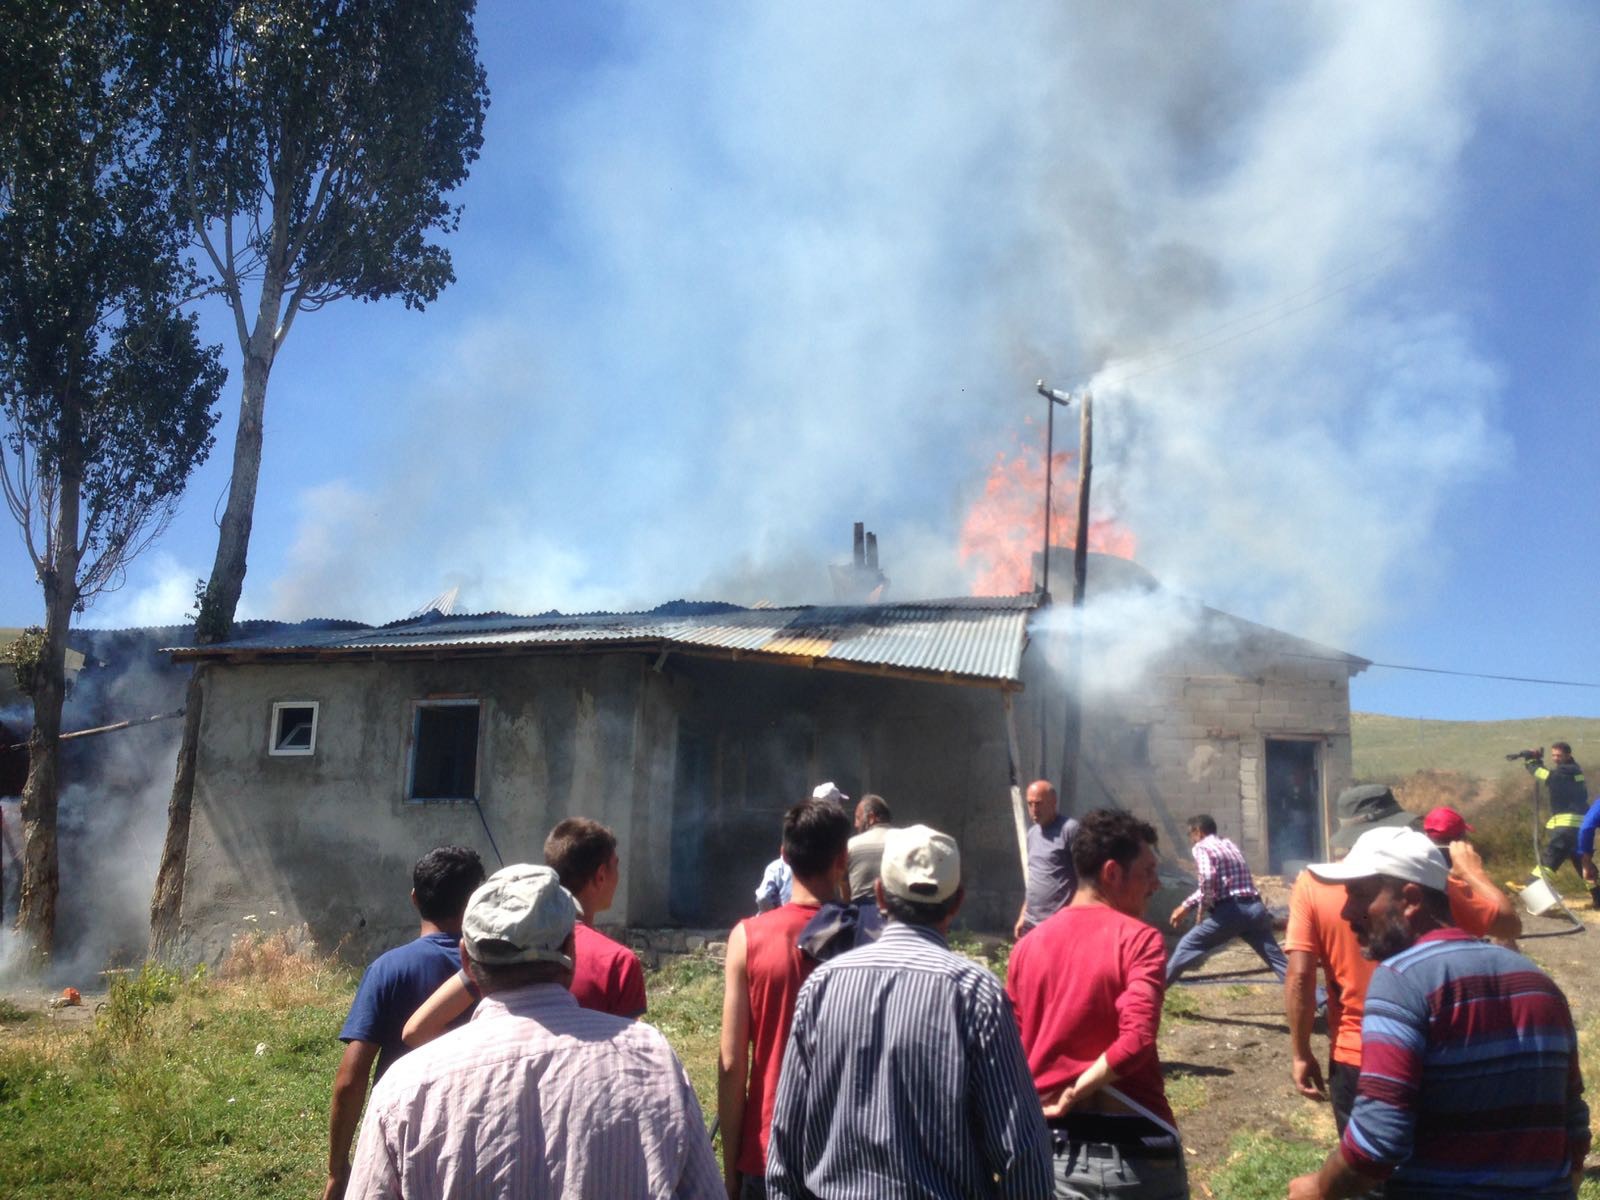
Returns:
<point x="1342" y="1080"/>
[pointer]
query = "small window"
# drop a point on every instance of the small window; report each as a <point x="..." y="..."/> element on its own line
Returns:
<point x="294" y="727"/>
<point x="444" y="751"/>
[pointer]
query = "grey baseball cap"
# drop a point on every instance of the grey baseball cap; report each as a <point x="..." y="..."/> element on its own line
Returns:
<point x="520" y="914"/>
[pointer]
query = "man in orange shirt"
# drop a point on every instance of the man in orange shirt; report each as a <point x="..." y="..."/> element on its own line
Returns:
<point x="765" y="969"/>
<point x="1319" y="936"/>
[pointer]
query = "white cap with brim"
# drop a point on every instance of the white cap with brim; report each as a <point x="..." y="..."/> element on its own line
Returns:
<point x="920" y="864"/>
<point x="828" y="791"/>
<point x="520" y="914"/>
<point x="1397" y="853"/>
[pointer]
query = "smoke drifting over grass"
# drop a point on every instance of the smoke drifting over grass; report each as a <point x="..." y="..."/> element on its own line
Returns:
<point x="808" y="261"/>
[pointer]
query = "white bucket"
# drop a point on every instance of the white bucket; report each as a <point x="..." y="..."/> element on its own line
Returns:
<point x="1539" y="897"/>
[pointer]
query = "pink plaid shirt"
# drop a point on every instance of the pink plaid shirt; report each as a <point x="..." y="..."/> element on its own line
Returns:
<point x="1223" y="873"/>
<point x="536" y="1098"/>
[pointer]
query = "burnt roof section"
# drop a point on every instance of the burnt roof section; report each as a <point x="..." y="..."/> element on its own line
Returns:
<point x="963" y="640"/>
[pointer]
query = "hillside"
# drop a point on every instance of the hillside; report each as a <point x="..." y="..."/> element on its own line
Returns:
<point x="1387" y="749"/>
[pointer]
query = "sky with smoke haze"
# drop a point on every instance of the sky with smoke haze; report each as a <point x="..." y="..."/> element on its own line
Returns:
<point x="731" y="276"/>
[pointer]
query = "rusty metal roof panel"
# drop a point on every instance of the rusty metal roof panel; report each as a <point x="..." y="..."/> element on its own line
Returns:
<point x="973" y="637"/>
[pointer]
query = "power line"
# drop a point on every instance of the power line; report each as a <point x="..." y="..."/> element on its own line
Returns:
<point x="1444" y="671"/>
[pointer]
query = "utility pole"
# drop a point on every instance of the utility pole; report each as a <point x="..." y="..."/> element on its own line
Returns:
<point x="1062" y="398"/>
<point x="1072" y="716"/>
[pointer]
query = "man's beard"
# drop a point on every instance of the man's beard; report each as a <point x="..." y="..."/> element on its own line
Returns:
<point x="1385" y="938"/>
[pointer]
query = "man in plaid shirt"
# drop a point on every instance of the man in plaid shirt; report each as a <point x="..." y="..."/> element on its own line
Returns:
<point x="1229" y="905"/>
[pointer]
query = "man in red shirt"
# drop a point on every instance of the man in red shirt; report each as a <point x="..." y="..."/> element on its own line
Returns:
<point x="1087" y="985"/>
<point x="765" y="969"/>
<point x="606" y="976"/>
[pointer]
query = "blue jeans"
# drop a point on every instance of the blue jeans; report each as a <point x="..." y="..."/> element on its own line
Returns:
<point x="1247" y="919"/>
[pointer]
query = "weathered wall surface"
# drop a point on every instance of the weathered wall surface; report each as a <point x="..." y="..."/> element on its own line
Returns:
<point x="1194" y="740"/>
<point x="329" y="839"/>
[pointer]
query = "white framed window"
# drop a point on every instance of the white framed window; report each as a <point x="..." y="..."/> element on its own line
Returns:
<point x="444" y="750"/>
<point x="294" y="728"/>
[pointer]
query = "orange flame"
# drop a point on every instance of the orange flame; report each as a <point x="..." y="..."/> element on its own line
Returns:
<point x="1004" y="528"/>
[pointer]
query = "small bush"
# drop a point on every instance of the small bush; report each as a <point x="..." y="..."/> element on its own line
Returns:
<point x="133" y="997"/>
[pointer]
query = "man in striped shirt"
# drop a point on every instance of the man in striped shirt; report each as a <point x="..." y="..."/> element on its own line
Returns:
<point x="1228" y="903"/>
<point x="1470" y="1087"/>
<point x="534" y="1098"/>
<point x="904" y="1075"/>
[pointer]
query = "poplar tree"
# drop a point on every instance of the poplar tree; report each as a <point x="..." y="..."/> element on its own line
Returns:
<point x="313" y="145"/>
<point x="106" y="392"/>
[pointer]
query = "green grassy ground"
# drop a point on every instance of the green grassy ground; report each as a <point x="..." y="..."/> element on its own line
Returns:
<point x="1391" y="748"/>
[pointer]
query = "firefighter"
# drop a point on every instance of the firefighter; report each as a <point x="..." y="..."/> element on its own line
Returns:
<point x="1568" y="798"/>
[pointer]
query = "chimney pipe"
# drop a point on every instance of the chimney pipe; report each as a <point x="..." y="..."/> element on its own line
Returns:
<point x="872" y="552"/>
<point x="860" y="543"/>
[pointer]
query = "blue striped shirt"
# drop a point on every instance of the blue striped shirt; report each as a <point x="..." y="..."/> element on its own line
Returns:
<point x="904" y="1077"/>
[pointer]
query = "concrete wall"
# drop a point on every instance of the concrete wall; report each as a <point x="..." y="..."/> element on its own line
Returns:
<point x="692" y="766"/>
<point x="330" y="840"/>
<point x="1194" y="739"/>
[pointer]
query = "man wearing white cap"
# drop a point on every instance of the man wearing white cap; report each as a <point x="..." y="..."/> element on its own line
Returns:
<point x="534" y="1097"/>
<point x="1469" y="1084"/>
<point x="904" y="1073"/>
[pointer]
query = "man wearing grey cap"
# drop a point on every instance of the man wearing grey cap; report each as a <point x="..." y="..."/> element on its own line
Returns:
<point x="904" y="1072"/>
<point x="1469" y="1087"/>
<point x="534" y="1097"/>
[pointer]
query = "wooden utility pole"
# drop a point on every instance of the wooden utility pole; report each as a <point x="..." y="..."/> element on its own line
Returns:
<point x="1072" y="716"/>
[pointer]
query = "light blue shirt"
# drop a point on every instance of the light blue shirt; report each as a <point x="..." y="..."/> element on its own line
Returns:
<point x="777" y="884"/>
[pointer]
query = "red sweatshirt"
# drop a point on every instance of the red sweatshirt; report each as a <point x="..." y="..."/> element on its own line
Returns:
<point x="1089" y="981"/>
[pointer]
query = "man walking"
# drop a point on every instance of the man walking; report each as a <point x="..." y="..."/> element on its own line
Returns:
<point x="392" y="988"/>
<point x="762" y="977"/>
<point x="1052" y="879"/>
<point x="534" y="1097"/>
<point x="1470" y="1087"/>
<point x="1228" y="903"/>
<point x="1087" y="987"/>
<point x="904" y="1074"/>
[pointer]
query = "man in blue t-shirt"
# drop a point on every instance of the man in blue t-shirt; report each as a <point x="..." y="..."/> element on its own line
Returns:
<point x="393" y="988"/>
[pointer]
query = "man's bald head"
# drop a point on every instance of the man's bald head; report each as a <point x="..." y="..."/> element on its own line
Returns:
<point x="1042" y="802"/>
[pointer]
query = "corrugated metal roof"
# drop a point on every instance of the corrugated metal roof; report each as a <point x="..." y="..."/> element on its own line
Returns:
<point x="975" y="638"/>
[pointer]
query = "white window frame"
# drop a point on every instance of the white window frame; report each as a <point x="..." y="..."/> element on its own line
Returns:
<point x="277" y="751"/>
<point x="411" y="750"/>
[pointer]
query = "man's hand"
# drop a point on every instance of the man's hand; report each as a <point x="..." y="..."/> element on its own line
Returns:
<point x="337" y="1179"/>
<point x="1590" y="875"/>
<point x="1062" y="1104"/>
<point x="1464" y="855"/>
<point x="1305" y="1188"/>
<point x="1308" y="1079"/>
<point x="1178" y="914"/>
<point x="1020" y="929"/>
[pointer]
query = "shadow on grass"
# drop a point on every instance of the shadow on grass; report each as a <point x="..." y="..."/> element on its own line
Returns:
<point x="1265" y="1026"/>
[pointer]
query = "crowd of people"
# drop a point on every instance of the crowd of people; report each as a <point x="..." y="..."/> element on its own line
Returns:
<point x="860" y="1056"/>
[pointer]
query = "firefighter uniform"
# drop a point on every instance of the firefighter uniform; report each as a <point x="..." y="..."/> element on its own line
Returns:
<point x="1568" y="797"/>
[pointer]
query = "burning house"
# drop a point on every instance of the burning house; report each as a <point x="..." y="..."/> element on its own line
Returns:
<point x="331" y="758"/>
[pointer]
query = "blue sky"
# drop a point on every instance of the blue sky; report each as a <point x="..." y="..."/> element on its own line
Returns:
<point x="732" y="276"/>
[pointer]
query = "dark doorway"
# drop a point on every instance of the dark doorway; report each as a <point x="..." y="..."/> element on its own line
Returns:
<point x="691" y="802"/>
<point x="1294" y="803"/>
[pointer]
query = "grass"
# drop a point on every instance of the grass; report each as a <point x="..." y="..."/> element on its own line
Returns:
<point x="1388" y="749"/>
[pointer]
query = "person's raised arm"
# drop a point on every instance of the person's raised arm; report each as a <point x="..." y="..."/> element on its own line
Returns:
<point x="1468" y="864"/>
<point x="449" y="1000"/>
<point x="733" y="1058"/>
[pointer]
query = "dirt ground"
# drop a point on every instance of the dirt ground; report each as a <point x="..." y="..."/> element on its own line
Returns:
<point x="1227" y="1062"/>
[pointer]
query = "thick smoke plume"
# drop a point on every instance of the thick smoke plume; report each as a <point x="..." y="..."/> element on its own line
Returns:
<point x="801" y="264"/>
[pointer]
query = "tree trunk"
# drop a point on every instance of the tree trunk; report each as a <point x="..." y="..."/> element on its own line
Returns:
<point x="215" y="623"/>
<point x="41" y="875"/>
<point x="166" y="902"/>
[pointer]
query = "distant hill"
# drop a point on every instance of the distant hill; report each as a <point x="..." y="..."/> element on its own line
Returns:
<point x="1390" y="748"/>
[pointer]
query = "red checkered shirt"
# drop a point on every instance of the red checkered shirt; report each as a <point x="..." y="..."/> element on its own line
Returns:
<point x="1223" y="873"/>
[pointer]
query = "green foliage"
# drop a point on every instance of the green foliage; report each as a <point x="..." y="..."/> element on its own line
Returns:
<point x="1179" y="1005"/>
<point x="1259" y="1167"/>
<point x="133" y="997"/>
<point x="23" y="656"/>
<point x="348" y="123"/>
<point x="105" y="389"/>
<point x="12" y="1013"/>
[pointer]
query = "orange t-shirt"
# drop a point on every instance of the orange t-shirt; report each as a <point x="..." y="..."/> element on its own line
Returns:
<point x="1317" y="926"/>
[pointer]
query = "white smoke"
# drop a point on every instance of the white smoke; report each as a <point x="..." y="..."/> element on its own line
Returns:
<point x="812" y="258"/>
